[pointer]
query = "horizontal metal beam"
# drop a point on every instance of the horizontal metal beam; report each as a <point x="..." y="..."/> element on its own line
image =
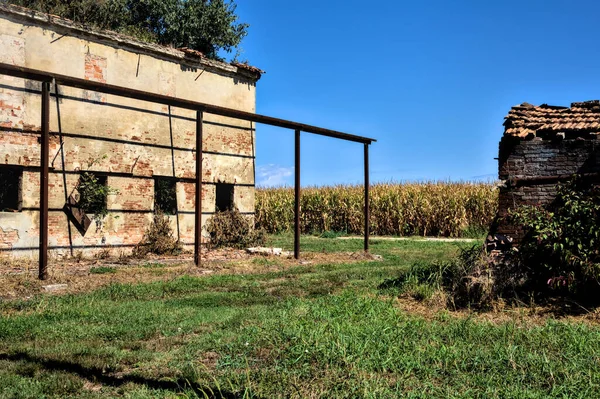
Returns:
<point x="42" y="76"/>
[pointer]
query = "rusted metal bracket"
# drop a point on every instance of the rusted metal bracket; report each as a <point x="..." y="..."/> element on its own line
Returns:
<point x="77" y="216"/>
<point x="34" y="74"/>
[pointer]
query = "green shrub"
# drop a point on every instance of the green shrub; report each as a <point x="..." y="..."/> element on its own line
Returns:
<point x="93" y="192"/>
<point x="559" y="254"/>
<point x="561" y="247"/>
<point x="208" y="26"/>
<point x="232" y="229"/>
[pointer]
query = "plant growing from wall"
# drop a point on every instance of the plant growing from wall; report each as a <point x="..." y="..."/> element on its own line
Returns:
<point x="93" y="192"/>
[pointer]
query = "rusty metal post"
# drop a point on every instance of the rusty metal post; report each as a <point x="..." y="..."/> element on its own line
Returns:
<point x="297" y="197"/>
<point x="198" y="229"/>
<point x="45" y="140"/>
<point x="367" y="206"/>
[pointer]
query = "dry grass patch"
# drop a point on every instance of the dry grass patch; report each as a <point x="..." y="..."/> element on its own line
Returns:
<point x="84" y="275"/>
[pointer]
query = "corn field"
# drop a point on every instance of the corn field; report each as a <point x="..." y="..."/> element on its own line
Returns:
<point x="426" y="209"/>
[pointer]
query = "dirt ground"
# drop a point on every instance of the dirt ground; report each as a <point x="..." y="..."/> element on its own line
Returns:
<point x="19" y="278"/>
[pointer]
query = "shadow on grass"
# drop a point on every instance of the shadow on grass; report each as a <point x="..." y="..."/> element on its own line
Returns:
<point x="97" y="375"/>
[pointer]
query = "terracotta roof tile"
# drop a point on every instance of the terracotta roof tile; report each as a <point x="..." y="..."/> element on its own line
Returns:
<point x="191" y="52"/>
<point x="247" y="67"/>
<point x="528" y="120"/>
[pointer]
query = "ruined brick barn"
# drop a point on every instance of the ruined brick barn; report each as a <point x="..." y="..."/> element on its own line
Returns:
<point x="542" y="146"/>
<point x="130" y="145"/>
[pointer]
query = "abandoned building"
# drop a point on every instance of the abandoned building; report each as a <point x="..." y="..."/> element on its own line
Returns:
<point x="132" y="147"/>
<point x="542" y="146"/>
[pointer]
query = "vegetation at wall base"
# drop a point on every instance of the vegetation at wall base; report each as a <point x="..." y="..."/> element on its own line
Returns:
<point x="471" y="279"/>
<point x="558" y="257"/>
<point x="411" y="209"/>
<point x="231" y="229"/>
<point x="561" y="247"/>
<point x="208" y="26"/>
<point x="158" y="239"/>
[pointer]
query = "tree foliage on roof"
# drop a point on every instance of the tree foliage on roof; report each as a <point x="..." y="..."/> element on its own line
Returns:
<point x="208" y="26"/>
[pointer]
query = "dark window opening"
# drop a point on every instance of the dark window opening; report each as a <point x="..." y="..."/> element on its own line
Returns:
<point x="93" y="191"/>
<point x="165" y="195"/>
<point x="224" y="197"/>
<point x="10" y="188"/>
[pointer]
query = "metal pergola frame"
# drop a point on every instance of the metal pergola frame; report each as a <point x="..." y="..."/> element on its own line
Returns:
<point x="47" y="78"/>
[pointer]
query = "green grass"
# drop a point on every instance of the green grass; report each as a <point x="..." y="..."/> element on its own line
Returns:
<point x="103" y="270"/>
<point x="310" y="331"/>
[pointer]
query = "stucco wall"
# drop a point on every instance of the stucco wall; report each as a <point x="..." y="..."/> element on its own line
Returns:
<point x="131" y="141"/>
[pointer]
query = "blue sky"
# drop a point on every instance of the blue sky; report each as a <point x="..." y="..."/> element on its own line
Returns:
<point x="431" y="80"/>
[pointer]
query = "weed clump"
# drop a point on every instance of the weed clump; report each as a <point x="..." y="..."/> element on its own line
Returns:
<point x="232" y="229"/>
<point x="471" y="279"/>
<point x="158" y="239"/>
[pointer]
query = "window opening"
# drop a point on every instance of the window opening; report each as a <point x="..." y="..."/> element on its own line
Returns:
<point x="165" y="195"/>
<point x="224" y="197"/>
<point x="10" y="188"/>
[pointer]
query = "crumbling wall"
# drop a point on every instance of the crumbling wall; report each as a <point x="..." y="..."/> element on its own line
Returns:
<point x="531" y="169"/>
<point x="128" y="141"/>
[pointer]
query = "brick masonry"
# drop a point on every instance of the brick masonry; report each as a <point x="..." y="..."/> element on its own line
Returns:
<point x="128" y="141"/>
<point x="535" y="159"/>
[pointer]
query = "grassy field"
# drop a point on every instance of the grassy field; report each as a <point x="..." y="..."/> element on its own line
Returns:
<point x="309" y="331"/>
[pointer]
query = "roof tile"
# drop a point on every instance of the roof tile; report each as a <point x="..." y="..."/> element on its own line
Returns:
<point x="526" y="120"/>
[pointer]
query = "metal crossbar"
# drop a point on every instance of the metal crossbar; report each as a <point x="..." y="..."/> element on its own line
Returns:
<point x="48" y="77"/>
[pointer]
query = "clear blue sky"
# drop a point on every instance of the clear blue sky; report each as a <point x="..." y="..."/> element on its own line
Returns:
<point x="431" y="80"/>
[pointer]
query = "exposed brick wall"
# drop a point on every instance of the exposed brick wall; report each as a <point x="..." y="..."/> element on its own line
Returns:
<point x="12" y="102"/>
<point x="8" y="237"/>
<point x="535" y="159"/>
<point x="95" y="67"/>
<point x="129" y="141"/>
<point x="95" y="70"/>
